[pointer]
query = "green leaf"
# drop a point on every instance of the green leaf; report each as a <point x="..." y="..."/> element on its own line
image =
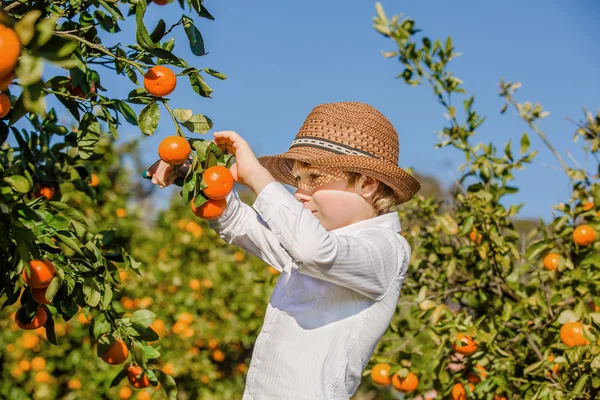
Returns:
<point x="68" y="211"/>
<point x="100" y="326"/>
<point x="199" y="85"/>
<point x="467" y="226"/>
<point x="88" y="136"/>
<point x="194" y="36"/>
<point x="198" y="123"/>
<point x="34" y="98"/>
<point x="148" y="118"/>
<point x="143" y="318"/>
<point x="25" y="27"/>
<point x="46" y="30"/>
<point x="524" y="143"/>
<point x="182" y="115"/>
<point x="54" y="286"/>
<point x="168" y="383"/>
<point x="18" y="183"/>
<point x="581" y="383"/>
<point x="216" y="74"/>
<point x="120" y="376"/>
<point x="29" y="69"/>
<point x="141" y="33"/>
<point x="534" y="250"/>
<point x="158" y="31"/>
<point x="114" y="11"/>
<point x="127" y="112"/>
<point x="138" y="351"/>
<point x="50" y="333"/>
<point x="91" y="291"/>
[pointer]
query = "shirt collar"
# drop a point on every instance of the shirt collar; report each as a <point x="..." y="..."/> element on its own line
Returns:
<point x="385" y="221"/>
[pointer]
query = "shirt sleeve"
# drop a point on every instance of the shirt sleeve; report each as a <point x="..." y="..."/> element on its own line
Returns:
<point x="241" y="226"/>
<point x="366" y="262"/>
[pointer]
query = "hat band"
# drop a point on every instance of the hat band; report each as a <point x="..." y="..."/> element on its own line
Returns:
<point x="334" y="147"/>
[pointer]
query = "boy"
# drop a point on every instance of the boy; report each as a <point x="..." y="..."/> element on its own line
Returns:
<point x="335" y="241"/>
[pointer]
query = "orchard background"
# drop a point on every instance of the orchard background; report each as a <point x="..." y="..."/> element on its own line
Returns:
<point x="144" y="304"/>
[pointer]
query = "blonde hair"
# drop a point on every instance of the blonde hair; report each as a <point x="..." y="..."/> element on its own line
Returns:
<point x="384" y="198"/>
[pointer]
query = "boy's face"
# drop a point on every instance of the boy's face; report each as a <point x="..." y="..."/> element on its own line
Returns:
<point x="325" y="192"/>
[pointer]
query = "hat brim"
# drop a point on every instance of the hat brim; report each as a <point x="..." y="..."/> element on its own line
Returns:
<point x="404" y="185"/>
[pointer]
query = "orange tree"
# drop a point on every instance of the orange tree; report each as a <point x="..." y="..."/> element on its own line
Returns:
<point x="487" y="312"/>
<point x="55" y="262"/>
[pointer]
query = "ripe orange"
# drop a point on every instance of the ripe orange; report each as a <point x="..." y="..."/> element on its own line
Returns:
<point x="5" y="81"/>
<point x="47" y="192"/>
<point x="144" y="396"/>
<point x="464" y="344"/>
<point x="219" y="181"/>
<point x="584" y="235"/>
<point x="406" y="385"/>
<point x="10" y="48"/>
<point x="207" y="283"/>
<point x="475" y="237"/>
<point x="158" y="326"/>
<point x="117" y="353"/>
<point x="185" y="318"/>
<point x="121" y="212"/>
<point x="125" y="393"/>
<point x="218" y="355"/>
<point x="38" y="321"/>
<point x="24" y="365"/>
<point x="459" y="393"/>
<point x="588" y="206"/>
<point x="38" y="363"/>
<point x="174" y="150"/>
<point x="551" y="261"/>
<point x="4" y="105"/>
<point x="74" y="384"/>
<point x="39" y="295"/>
<point x="194" y="284"/>
<point x="136" y="376"/>
<point x="161" y="2"/>
<point x="42" y="272"/>
<point x="273" y="270"/>
<point x="475" y="377"/>
<point x="380" y="374"/>
<point x="168" y="368"/>
<point x="555" y="367"/>
<point x="94" y="181"/>
<point x="210" y="210"/>
<point x="160" y="81"/>
<point x="43" y="377"/>
<point x="571" y="334"/>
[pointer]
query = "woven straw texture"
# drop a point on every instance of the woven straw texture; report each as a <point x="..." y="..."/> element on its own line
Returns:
<point x="353" y="127"/>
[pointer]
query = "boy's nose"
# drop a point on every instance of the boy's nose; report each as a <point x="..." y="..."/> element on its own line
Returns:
<point x="302" y="195"/>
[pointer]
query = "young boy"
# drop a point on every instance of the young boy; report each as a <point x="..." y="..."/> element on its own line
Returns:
<point x="335" y="241"/>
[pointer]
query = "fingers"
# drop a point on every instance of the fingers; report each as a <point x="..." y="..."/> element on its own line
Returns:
<point x="228" y="140"/>
<point x="161" y="173"/>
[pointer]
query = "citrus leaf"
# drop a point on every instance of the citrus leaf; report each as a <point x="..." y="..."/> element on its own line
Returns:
<point x="148" y="118"/>
<point x="18" y="182"/>
<point x="194" y="36"/>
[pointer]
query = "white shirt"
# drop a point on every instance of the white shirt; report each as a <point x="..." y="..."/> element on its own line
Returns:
<point x="333" y="301"/>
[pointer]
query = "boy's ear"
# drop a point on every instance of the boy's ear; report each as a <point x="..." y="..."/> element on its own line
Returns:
<point x="368" y="185"/>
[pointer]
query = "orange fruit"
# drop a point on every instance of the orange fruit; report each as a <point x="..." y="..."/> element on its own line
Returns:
<point x="4" y="105"/>
<point x="218" y="355"/>
<point x="168" y="368"/>
<point x="194" y="284"/>
<point x="406" y="385"/>
<point x="475" y="237"/>
<point x="158" y="326"/>
<point x="210" y="210"/>
<point x="204" y="379"/>
<point x="24" y="365"/>
<point x="39" y="295"/>
<point x="241" y="368"/>
<point x="212" y="344"/>
<point x="174" y="150"/>
<point x="126" y="302"/>
<point x="144" y="396"/>
<point x="551" y="261"/>
<point x="94" y="180"/>
<point x="42" y="272"/>
<point x="121" y="212"/>
<point x="161" y="2"/>
<point x="380" y="374"/>
<point x="78" y="92"/>
<point x="5" y="81"/>
<point x="571" y="334"/>
<point x="238" y="256"/>
<point x="160" y="81"/>
<point x="584" y="235"/>
<point x="179" y="327"/>
<point x="555" y="367"/>
<point x="459" y="393"/>
<point x="38" y="363"/>
<point x="219" y="181"/>
<point x="207" y="283"/>
<point x="475" y="377"/>
<point x="38" y="321"/>
<point x="464" y="344"/>
<point x="10" y="48"/>
<point x="47" y="192"/>
<point x="136" y="376"/>
<point x="82" y="318"/>
<point x="185" y="318"/>
<point x="273" y="270"/>
<point x="30" y="340"/>
<point x="42" y="377"/>
<point x="125" y="393"/>
<point x="74" y="384"/>
<point x="588" y="206"/>
<point x="117" y="353"/>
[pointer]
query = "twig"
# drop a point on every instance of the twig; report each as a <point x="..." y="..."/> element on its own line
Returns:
<point x="11" y="6"/>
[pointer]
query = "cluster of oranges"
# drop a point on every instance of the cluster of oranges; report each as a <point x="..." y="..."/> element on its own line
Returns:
<point x="380" y="374"/>
<point x="175" y="150"/>
<point x="10" y="48"/>
<point x="41" y="273"/>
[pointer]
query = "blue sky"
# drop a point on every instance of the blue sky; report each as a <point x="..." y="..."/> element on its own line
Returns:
<point x="283" y="58"/>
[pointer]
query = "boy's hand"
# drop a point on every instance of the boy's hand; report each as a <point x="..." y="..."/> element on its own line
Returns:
<point x="164" y="175"/>
<point x="246" y="170"/>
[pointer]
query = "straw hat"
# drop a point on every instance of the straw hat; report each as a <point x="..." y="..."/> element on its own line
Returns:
<point x="350" y="136"/>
